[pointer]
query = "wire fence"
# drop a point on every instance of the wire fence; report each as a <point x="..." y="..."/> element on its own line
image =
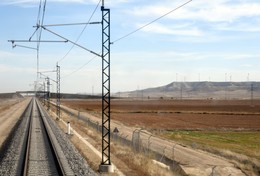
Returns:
<point x="139" y="140"/>
<point x="168" y="154"/>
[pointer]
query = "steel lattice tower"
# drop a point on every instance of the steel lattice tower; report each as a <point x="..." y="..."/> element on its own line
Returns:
<point x="44" y="94"/>
<point x="105" y="86"/>
<point x="252" y="94"/>
<point x="58" y="92"/>
<point x="48" y="93"/>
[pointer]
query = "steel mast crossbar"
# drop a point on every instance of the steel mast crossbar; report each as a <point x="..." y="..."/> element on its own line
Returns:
<point x="36" y="41"/>
<point x="68" y="24"/>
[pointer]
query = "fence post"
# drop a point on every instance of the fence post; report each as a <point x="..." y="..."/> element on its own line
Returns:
<point x="97" y="126"/>
<point x="212" y="172"/>
<point x="149" y="142"/>
<point x="78" y="114"/>
<point x="87" y="122"/>
<point x="68" y="125"/>
<point x="163" y="155"/>
<point x="136" y="139"/>
<point x="173" y="154"/>
<point x="126" y="139"/>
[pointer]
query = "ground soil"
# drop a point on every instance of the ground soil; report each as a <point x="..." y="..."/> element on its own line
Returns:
<point x="10" y="112"/>
<point x="164" y="112"/>
<point x="179" y="114"/>
<point x="127" y="161"/>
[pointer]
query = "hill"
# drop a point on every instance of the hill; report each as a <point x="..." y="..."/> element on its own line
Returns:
<point x="209" y="90"/>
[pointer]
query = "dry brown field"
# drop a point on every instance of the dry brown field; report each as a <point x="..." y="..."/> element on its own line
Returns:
<point x="228" y="128"/>
<point x="179" y="114"/>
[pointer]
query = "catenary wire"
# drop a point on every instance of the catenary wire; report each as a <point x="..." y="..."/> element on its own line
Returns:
<point x="43" y="15"/>
<point x="41" y="20"/>
<point x="127" y="35"/>
<point x="130" y="34"/>
<point x="81" y="32"/>
<point x="65" y="76"/>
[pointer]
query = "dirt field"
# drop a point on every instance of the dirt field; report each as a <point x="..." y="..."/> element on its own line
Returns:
<point x="179" y="114"/>
<point x="10" y="111"/>
<point x="225" y="128"/>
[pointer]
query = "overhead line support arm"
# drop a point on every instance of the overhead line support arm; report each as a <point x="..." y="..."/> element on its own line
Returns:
<point x="24" y="41"/>
<point x="68" y="24"/>
<point x="71" y="42"/>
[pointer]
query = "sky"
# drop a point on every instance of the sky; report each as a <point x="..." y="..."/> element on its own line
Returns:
<point x="201" y="41"/>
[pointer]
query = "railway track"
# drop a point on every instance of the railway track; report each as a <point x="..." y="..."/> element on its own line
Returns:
<point x="37" y="147"/>
<point x="41" y="156"/>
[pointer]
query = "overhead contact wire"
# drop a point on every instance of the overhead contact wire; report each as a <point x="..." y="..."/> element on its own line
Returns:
<point x="43" y="15"/>
<point x="81" y="32"/>
<point x="127" y="35"/>
<point x="79" y="68"/>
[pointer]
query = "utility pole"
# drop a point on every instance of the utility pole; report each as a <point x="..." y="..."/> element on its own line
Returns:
<point x="44" y="94"/>
<point x="58" y="92"/>
<point x="181" y="91"/>
<point x="252" y="94"/>
<point x="48" y="93"/>
<point x="105" y="165"/>
<point x="226" y="86"/>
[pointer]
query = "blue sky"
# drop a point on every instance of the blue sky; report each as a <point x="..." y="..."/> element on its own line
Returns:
<point x="204" y="40"/>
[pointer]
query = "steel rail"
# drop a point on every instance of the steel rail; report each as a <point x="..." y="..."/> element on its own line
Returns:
<point x="60" y="163"/>
<point x="61" y="159"/>
<point x="28" y="136"/>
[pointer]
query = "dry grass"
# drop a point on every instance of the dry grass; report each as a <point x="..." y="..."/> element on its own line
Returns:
<point x="127" y="161"/>
<point x="208" y="115"/>
<point x="6" y="104"/>
<point x="240" y="147"/>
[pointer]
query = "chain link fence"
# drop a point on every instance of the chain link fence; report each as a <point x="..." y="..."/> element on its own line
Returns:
<point x="139" y="140"/>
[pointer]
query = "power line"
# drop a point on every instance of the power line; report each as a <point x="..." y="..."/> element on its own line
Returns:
<point x="22" y="46"/>
<point x="79" y="68"/>
<point x="151" y="22"/>
<point x="81" y="32"/>
<point x="127" y="35"/>
<point x="43" y="15"/>
<point x="71" y="41"/>
<point x="39" y="32"/>
<point x="69" y="24"/>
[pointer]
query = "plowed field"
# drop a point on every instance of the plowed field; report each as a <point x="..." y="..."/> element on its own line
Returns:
<point x="179" y="114"/>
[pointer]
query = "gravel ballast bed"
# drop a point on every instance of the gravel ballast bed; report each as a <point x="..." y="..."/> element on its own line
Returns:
<point x="14" y="146"/>
<point x="13" y="149"/>
<point x="77" y="163"/>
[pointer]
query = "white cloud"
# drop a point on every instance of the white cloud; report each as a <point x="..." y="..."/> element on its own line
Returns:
<point x="34" y="3"/>
<point x="6" y="69"/>
<point x="198" y="18"/>
<point x="180" y="56"/>
<point x="211" y="11"/>
<point x="242" y="26"/>
<point x="223" y="12"/>
<point x="29" y="3"/>
<point x="247" y="65"/>
<point x="5" y="54"/>
<point x="172" y="30"/>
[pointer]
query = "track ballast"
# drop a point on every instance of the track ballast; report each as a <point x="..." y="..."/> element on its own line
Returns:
<point x="36" y="146"/>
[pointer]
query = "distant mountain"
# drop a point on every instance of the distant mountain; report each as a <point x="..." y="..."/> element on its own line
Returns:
<point x="199" y="90"/>
<point x="206" y="86"/>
